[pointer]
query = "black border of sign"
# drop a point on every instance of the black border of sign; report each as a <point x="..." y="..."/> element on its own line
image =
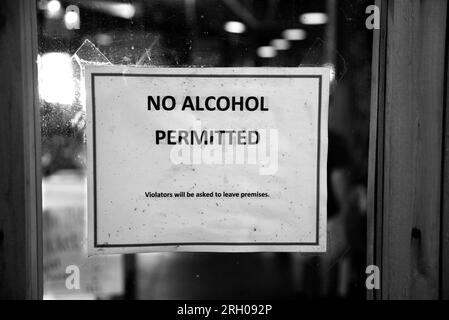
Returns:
<point x="96" y="245"/>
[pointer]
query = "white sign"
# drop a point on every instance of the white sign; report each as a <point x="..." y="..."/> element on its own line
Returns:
<point x="207" y="159"/>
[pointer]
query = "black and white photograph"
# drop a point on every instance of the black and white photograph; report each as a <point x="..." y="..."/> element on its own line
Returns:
<point x="203" y="151"/>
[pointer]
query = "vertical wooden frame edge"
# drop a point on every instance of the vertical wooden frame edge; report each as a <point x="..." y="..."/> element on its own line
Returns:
<point x="375" y="157"/>
<point x="20" y="204"/>
<point x="444" y="263"/>
<point x="32" y="119"/>
<point x="411" y="187"/>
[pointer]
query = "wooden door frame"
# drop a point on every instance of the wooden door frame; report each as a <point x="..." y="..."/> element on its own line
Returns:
<point x="20" y="166"/>
<point x="408" y="197"/>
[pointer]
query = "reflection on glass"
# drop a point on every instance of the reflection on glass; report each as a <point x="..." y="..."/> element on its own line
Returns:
<point x="202" y="33"/>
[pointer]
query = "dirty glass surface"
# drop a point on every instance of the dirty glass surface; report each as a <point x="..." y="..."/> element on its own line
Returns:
<point x="202" y="33"/>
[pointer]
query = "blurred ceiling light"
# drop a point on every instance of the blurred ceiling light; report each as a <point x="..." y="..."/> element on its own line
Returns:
<point x="294" y="34"/>
<point x="266" y="52"/>
<point x="114" y="8"/>
<point x="280" y="44"/>
<point x="56" y="83"/>
<point x="103" y="39"/>
<point x="42" y="4"/>
<point x="72" y="17"/>
<point x="234" y="27"/>
<point x="313" y="18"/>
<point x="121" y="10"/>
<point x="53" y="8"/>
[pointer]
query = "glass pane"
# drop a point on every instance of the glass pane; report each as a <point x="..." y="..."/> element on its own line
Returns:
<point x="202" y="33"/>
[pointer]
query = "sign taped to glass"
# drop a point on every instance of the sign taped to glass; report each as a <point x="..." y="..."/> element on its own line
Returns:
<point x="207" y="159"/>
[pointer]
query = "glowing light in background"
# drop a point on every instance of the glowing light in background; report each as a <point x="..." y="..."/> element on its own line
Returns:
<point x="280" y="44"/>
<point x="234" y="27"/>
<point x="72" y="17"/>
<point x="294" y="34"/>
<point x="121" y="10"/>
<point x="56" y="78"/>
<point x="266" y="52"/>
<point x="103" y="39"/>
<point x="53" y="8"/>
<point x="313" y="18"/>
